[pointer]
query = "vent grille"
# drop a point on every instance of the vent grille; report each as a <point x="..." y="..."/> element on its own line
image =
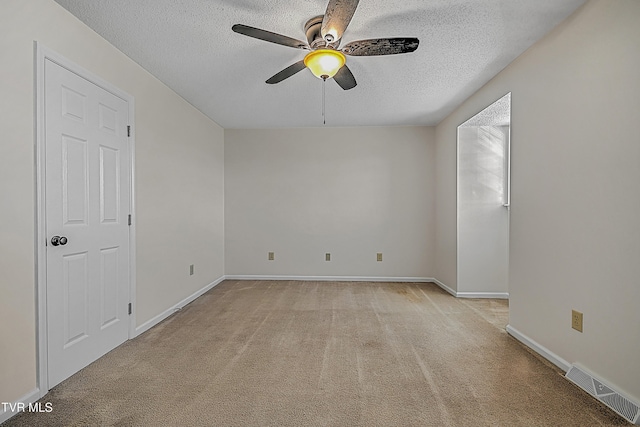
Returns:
<point x="621" y="406"/>
<point x="605" y="394"/>
<point x="581" y="379"/>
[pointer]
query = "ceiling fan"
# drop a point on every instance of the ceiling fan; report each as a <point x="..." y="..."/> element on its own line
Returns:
<point x="324" y="33"/>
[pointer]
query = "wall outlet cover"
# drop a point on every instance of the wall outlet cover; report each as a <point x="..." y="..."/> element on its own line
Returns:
<point x="576" y="320"/>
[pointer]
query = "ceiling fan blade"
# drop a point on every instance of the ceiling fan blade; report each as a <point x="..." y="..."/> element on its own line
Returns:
<point x="268" y="36"/>
<point x="337" y="18"/>
<point x="287" y="72"/>
<point x="373" y="47"/>
<point x="345" y="78"/>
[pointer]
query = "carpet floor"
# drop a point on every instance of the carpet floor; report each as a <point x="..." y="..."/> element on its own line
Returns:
<point x="287" y="353"/>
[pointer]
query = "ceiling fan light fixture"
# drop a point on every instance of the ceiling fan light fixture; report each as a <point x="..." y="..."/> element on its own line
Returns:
<point x="324" y="63"/>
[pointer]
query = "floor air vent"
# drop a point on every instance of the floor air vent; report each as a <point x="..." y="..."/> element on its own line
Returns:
<point x="614" y="400"/>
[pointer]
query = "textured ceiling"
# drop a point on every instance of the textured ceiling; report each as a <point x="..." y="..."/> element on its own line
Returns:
<point x="496" y="114"/>
<point x="189" y="45"/>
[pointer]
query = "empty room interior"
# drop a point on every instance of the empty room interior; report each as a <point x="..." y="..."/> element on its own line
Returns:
<point x="197" y="230"/>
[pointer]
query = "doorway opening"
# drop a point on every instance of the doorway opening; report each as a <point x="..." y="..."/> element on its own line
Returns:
<point x="483" y="203"/>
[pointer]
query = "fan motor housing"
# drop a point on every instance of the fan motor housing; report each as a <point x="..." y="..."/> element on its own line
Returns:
<point x="313" y="32"/>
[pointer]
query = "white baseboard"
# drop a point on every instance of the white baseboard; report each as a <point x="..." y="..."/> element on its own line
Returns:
<point x="493" y="295"/>
<point x="540" y="349"/>
<point x="168" y="312"/>
<point x="445" y="287"/>
<point x="333" y="278"/>
<point x="28" y="398"/>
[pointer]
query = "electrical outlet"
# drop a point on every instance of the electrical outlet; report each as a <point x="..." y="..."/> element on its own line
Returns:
<point x="379" y="256"/>
<point x="191" y="270"/>
<point x="327" y="257"/>
<point x="271" y="256"/>
<point x="576" y="320"/>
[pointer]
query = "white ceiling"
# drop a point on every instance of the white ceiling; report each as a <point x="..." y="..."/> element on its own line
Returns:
<point x="189" y="45"/>
<point x="496" y="114"/>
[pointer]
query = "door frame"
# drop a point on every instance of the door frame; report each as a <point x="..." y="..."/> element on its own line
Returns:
<point x="43" y="54"/>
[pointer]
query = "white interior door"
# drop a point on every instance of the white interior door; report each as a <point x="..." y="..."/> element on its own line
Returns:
<point x="87" y="197"/>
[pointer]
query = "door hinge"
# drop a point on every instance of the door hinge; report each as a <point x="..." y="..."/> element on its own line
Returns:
<point x="128" y="130"/>
<point x="130" y="309"/>
<point x="129" y="219"/>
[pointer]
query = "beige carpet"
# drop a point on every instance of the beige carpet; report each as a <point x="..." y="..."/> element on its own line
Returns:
<point x="323" y="354"/>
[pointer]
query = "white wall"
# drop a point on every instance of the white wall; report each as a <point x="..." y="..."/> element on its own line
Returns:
<point x="352" y="192"/>
<point x="446" y="268"/>
<point x="179" y="181"/>
<point x="575" y="233"/>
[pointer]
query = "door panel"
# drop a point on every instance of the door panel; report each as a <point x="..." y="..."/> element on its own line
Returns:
<point x="109" y="263"/>
<point x="74" y="105"/>
<point x="87" y="197"/>
<point x="108" y="119"/>
<point x="109" y="185"/>
<point x="75" y="188"/>
<point x="74" y="277"/>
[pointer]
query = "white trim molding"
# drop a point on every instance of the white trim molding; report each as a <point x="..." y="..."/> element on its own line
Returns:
<point x="540" y="349"/>
<point x="24" y="402"/>
<point x="177" y="307"/>
<point x="445" y="287"/>
<point x="332" y="278"/>
<point x="492" y="295"/>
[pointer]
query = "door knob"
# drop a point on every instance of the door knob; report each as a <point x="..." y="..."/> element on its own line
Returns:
<point x="57" y="240"/>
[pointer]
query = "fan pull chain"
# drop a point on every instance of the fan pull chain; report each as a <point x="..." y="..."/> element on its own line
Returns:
<point x="324" y="118"/>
